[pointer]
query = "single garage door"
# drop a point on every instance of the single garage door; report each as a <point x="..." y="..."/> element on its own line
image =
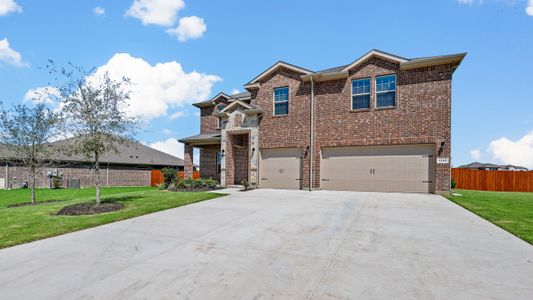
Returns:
<point x="280" y="168"/>
<point x="378" y="169"/>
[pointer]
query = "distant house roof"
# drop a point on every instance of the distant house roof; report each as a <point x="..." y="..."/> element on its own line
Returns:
<point x="478" y="166"/>
<point x="128" y="153"/>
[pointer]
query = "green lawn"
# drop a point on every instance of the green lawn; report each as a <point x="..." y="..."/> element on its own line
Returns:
<point x="511" y="211"/>
<point x="25" y="224"/>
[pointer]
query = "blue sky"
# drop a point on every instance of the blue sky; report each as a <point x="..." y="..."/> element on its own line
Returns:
<point x="185" y="51"/>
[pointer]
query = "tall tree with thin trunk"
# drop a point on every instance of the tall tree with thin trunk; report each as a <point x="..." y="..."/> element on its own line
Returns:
<point x="96" y="117"/>
<point x="26" y="132"/>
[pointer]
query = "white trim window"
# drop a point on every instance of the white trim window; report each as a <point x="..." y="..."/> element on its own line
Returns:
<point x="386" y="91"/>
<point x="281" y="101"/>
<point x="222" y="123"/>
<point x="219" y="162"/>
<point x="361" y="93"/>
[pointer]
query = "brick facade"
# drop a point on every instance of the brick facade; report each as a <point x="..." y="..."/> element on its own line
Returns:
<point x="208" y="161"/>
<point x="422" y="115"/>
<point x="112" y="175"/>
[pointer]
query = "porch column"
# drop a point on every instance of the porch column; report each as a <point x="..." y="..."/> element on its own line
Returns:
<point x="188" y="156"/>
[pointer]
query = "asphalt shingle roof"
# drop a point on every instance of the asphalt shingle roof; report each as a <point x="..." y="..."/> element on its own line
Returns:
<point x="130" y="153"/>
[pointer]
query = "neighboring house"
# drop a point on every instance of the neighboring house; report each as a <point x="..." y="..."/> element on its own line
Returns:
<point x="492" y="167"/>
<point x="131" y="165"/>
<point x="380" y="123"/>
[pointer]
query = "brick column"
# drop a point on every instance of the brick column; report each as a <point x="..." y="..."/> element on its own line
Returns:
<point x="188" y="153"/>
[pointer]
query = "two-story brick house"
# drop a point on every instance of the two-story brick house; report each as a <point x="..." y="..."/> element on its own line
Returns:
<point x="380" y="123"/>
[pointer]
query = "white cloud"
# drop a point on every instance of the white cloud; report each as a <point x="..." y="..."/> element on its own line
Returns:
<point x="470" y="2"/>
<point x="10" y="56"/>
<point x="156" y="12"/>
<point x="476" y="154"/>
<point x="173" y="147"/>
<point x="99" y="11"/>
<point x="168" y="131"/>
<point x="177" y="115"/>
<point x="188" y="28"/>
<point x="235" y="91"/>
<point x="170" y="146"/>
<point x="9" y="6"/>
<point x="45" y="94"/>
<point x="529" y="8"/>
<point x="518" y="152"/>
<point x="156" y="88"/>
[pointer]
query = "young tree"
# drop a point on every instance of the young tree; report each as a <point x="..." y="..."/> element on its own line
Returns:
<point x="96" y="117"/>
<point x="27" y="132"/>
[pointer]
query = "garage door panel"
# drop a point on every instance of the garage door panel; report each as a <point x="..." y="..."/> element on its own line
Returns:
<point x="386" y="169"/>
<point x="280" y="168"/>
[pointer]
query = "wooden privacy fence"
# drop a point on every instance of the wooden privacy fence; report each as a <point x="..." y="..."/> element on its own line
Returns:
<point x="503" y="181"/>
<point x="156" y="177"/>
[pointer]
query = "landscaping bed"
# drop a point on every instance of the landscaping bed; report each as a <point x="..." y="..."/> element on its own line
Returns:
<point x="90" y="208"/>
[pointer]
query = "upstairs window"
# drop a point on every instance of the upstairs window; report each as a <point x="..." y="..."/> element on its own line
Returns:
<point x="386" y="91"/>
<point x="221" y="106"/>
<point x="281" y="101"/>
<point x="361" y="93"/>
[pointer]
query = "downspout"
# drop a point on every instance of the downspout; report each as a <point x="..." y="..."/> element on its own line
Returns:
<point x="311" y="135"/>
<point x="6" y="181"/>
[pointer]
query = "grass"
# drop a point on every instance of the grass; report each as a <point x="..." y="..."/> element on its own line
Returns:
<point x="20" y="225"/>
<point x="509" y="210"/>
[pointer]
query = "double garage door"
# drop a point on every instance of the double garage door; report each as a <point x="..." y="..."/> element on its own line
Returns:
<point x="378" y="169"/>
<point x="371" y="169"/>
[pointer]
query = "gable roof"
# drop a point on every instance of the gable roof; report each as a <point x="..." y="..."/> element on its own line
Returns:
<point x="235" y="103"/>
<point x="405" y="64"/>
<point x="372" y="53"/>
<point x="212" y="101"/>
<point x="274" y="67"/>
<point x="128" y="153"/>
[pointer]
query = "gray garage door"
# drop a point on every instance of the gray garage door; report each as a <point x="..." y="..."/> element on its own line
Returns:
<point x="280" y="168"/>
<point x="378" y="169"/>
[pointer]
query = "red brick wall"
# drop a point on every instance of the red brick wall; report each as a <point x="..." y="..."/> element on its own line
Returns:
<point x="208" y="166"/>
<point x="209" y="123"/>
<point x="422" y="114"/>
<point x="118" y="175"/>
<point x="289" y="131"/>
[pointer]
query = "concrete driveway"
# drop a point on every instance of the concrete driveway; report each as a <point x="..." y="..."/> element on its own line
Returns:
<point x="273" y="244"/>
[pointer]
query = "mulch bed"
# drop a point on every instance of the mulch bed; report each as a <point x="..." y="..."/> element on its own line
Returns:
<point x="198" y="189"/>
<point x="90" y="208"/>
<point x="29" y="203"/>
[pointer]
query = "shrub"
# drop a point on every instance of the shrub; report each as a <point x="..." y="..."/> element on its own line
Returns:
<point x="57" y="182"/>
<point x="161" y="186"/>
<point x="453" y="183"/>
<point x="210" y="183"/>
<point x="169" y="176"/>
<point x="196" y="184"/>
<point x="245" y="184"/>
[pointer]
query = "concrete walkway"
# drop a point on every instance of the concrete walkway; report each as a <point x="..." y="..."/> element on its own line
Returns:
<point x="272" y="244"/>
